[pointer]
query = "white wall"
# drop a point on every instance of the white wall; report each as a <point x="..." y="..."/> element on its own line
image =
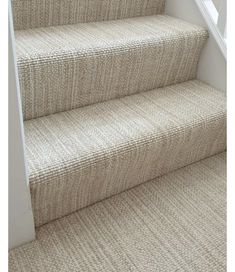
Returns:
<point x="21" y="225"/>
<point x="212" y="64"/>
<point x="217" y="3"/>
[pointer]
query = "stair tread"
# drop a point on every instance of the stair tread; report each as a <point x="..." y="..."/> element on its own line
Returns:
<point x="60" y="148"/>
<point x="181" y="214"/>
<point x="35" y="13"/>
<point x="66" y="67"/>
<point x="83" y="39"/>
<point x="92" y="131"/>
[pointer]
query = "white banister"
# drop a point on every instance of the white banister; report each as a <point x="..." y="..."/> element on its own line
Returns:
<point x="216" y="21"/>
<point x="212" y="63"/>
<point x="222" y="18"/>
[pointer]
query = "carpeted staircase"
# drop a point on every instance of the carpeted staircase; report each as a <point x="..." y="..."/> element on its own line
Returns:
<point x="110" y="99"/>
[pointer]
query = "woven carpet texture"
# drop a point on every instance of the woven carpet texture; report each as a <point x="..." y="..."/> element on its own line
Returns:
<point x="42" y="13"/>
<point x="78" y="157"/>
<point x="173" y="223"/>
<point x="111" y="100"/>
<point x="66" y="67"/>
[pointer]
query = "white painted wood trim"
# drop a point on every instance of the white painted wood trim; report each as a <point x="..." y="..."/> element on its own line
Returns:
<point x="211" y="24"/>
<point x="212" y="63"/>
<point x="222" y="18"/>
<point x="21" y="223"/>
<point x="212" y="10"/>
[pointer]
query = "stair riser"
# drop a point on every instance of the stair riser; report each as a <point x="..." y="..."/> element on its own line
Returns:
<point x="60" y="84"/>
<point x="35" y="13"/>
<point x="82" y="185"/>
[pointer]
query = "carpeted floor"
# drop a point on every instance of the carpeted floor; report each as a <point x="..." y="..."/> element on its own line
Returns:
<point x="173" y="223"/>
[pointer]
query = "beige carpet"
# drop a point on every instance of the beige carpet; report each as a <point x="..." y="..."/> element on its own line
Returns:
<point x="78" y="157"/>
<point x="35" y="13"/>
<point x="66" y="67"/>
<point x="174" y="223"/>
<point x="110" y="100"/>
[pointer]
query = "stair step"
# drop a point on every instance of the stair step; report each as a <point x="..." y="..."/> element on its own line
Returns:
<point x="41" y="13"/>
<point x="66" y="67"/>
<point x="174" y="223"/>
<point x="79" y="157"/>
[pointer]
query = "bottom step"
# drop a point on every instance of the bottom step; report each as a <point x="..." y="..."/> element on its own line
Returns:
<point x="173" y="223"/>
<point x="79" y="157"/>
